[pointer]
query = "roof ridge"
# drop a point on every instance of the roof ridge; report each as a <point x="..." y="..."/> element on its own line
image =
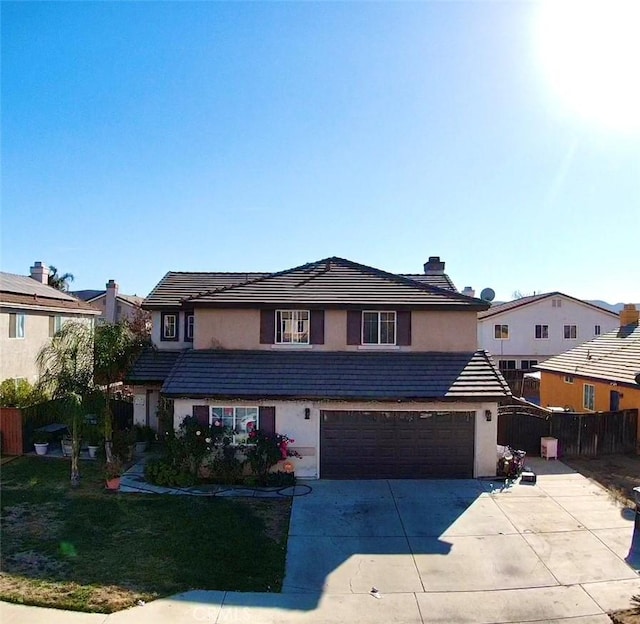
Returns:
<point x="386" y="275"/>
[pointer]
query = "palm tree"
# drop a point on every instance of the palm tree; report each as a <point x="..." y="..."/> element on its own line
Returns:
<point x="66" y="371"/>
<point x="59" y="282"/>
<point x="115" y="348"/>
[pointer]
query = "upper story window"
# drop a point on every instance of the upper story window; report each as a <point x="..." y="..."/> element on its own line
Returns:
<point x="16" y="325"/>
<point x="597" y="330"/>
<point x="501" y="332"/>
<point x="378" y="328"/>
<point x="292" y="326"/>
<point x="169" y="327"/>
<point x="189" y="319"/>
<point x="570" y="332"/>
<point x="568" y="379"/>
<point x="505" y="365"/>
<point x="542" y="332"/>
<point x="55" y="325"/>
<point x="589" y="397"/>
<point x="556" y="303"/>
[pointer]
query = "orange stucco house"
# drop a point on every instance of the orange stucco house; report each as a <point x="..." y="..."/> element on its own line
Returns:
<point x="599" y="375"/>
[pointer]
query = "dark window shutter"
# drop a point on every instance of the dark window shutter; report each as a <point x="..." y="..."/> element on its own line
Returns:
<point x="354" y="327"/>
<point x="201" y="414"/>
<point x="316" y="327"/>
<point x="267" y="417"/>
<point x="403" y="328"/>
<point x="267" y="326"/>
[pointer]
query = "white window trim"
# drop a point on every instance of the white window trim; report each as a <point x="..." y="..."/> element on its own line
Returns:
<point x="19" y="316"/>
<point x="175" y="326"/>
<point x="294" y="321"/>
<point x="597" y="330"/>
<point x="568" y="379"/>
<point x="190" y="325"/>
<point x="593" y="397"/>
<point x="540" y="325"/>
<point x="379" y="344"/>
<point x="501" y="325"/>
<point x="235" y="436"/>
<point x="564" y="332"/>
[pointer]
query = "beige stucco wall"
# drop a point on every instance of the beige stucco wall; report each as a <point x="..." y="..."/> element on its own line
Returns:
<point x="18" y="355"/>
<point x="240" y="329"/>
<point x="290" y="420"/>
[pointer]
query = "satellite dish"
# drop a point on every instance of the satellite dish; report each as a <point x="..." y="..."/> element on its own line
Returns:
<point x="488" y="294"/>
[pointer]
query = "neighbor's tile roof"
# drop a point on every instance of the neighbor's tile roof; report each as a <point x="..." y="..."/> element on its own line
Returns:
<point x="614" y="356"/>
<point x="176" y="286"/>
<point x="524" y="301"/>
<point x="152" y="366"/>
<point x="21" y="290"/>
<point x="337" y="282"/>
<point x="439" y="280"/>
<point x="90" y="295"/>
<point x="335" y="375"/>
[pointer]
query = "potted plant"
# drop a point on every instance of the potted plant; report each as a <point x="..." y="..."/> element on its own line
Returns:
<point x="41" y="442"/>
<point x="94" y="441"/>
<point x="112" y="472"/>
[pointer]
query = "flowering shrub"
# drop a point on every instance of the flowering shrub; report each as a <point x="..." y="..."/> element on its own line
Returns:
<point x="265" y="450"/>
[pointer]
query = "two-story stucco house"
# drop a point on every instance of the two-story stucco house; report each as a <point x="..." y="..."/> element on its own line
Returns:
<point x="113" y="305"/>
<point x="524" y="332"/>
<point x="373" y="374"/>
<point x="30" y="313"/>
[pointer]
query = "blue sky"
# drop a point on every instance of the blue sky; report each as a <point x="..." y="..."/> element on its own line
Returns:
<point x="139" y="138"/>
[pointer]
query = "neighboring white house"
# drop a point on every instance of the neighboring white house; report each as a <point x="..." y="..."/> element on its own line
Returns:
<point x="30" y="313"/>
<point x="524" y="332"/>
<point x="114" y="307"/>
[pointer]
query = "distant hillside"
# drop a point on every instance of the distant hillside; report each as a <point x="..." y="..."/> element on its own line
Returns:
<point x="614" y="307"/>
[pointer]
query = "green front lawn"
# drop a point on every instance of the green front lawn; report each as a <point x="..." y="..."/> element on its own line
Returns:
<point x="92" y="550"/>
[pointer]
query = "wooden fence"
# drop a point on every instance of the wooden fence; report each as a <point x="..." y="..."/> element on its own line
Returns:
<point x="11" y="431"/>
<point x="588" y="435"/>
<point x="55" y="412"/>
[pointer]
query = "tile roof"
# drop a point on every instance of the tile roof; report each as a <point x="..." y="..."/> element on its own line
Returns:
<point x="614" y="356"/>
<point x="524" y="301"/>
<point x="337" y="282"/>
<point x="152" y="366"/>
<point x="335" y="375"/>
<point x="176" y="286"/>
<point x="20" y="290"/>
<point x="439" y="280"/>
<point x="87" y="295"/>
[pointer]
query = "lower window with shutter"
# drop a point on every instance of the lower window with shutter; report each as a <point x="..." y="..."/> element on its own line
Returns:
<point x="238" y="421"/>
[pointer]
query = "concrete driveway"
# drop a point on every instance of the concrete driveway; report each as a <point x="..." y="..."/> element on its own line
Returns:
<point x="467" y="550"/>
<point x="446" y="552"/>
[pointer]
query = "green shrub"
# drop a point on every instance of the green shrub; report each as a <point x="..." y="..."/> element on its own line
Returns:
<point x="160" y="472"/>
<point x="20" y="393"/>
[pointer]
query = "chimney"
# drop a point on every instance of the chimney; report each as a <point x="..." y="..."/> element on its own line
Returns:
<point x="110" y="308"/>
<point x="629" y="315"/>
<point x="468" y="291"/>
<point x="433" y="266"/>
<point x="40" y="272"/>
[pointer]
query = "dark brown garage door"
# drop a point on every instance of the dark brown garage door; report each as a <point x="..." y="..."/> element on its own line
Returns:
<point x="396" y="445"/>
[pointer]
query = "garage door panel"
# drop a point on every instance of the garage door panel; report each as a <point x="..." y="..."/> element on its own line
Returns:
<point x="396" y="444"/>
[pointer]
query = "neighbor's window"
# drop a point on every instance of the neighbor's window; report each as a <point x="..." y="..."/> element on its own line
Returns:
<point x="556" y="303"/>
<point x="292" y="326"/>
<point x="597" y="330"/>
<point x="55" y="325"/>
<point x="16" y="325"/>
<point x="378" y="328"/>
<point x="169" y="326"/>
<point x="570" y="332"/>
<point x="240" y="420"/>
<point x="188" y="326"/>
<point x="528" y="364"/>
<point x="568" y="379"/>
<point x="505" y="365"/>
<point x="501" y="332"/>
<point x="589" y="397"/>
<point x="542" y="332"/>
